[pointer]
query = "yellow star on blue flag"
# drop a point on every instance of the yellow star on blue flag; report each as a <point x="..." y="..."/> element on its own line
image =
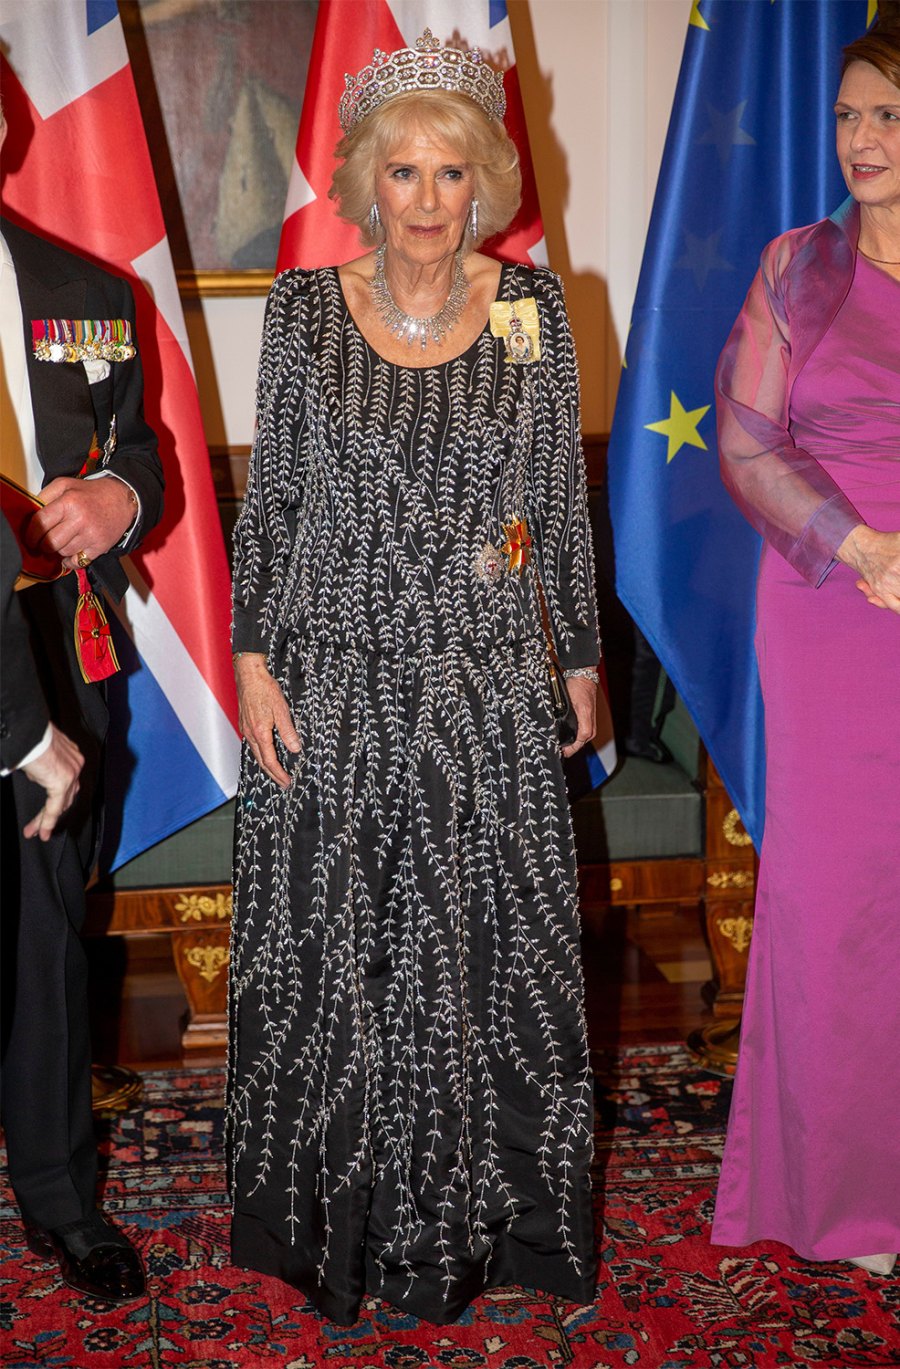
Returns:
<point x="725" y="131"/>
<point x="680" y="427"/>
<point x="701" y="255"/>
<point x="735" y="173"/>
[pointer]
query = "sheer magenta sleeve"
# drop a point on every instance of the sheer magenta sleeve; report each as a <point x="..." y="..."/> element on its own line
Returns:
<point x="779" y="487"/>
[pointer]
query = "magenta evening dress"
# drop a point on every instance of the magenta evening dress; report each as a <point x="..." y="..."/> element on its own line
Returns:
<point x="812" y="1156"/>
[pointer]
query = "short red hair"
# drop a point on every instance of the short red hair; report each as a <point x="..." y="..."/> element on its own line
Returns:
<point x="880" y="47"/>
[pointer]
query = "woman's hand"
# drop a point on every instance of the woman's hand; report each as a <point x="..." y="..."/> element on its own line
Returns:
<point x="876" y="557"/>
<point x="583" y="694"/>
<point x="262" y="711"/>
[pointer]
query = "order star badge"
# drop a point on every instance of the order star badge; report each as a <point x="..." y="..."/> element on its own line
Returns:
<point x="517" y="546"/>
<point x="489" y="563"/>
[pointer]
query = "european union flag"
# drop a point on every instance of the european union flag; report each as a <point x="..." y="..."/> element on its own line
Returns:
<point x="749" y="154"/>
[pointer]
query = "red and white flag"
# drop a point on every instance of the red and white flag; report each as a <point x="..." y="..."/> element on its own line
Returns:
<point x="347" y="33"/>
<point x="77" y="170"/>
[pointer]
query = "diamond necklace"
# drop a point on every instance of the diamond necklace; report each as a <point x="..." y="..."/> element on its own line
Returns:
<point x="404" y="325"/>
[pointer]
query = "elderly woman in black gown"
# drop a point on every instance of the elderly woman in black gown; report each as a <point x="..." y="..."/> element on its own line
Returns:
<point x="409" y="1096"/>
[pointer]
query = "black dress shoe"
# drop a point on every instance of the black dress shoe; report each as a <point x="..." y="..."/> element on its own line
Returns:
<point x="93" y="1258"/>
<point x="650" y="749"/>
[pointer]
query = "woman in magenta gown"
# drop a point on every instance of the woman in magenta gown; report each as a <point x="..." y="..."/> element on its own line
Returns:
<point x="808" y="393"/>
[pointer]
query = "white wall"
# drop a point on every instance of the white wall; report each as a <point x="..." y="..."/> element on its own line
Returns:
<point x="224" y="335"/>
<point x="597" y="77"/>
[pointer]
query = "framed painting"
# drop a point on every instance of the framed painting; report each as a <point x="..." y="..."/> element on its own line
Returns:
<point x="220" y="83"/>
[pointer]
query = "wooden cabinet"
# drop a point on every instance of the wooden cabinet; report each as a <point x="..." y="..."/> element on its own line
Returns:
<point x="198" y="921"/>
<point x="722" y="880"/>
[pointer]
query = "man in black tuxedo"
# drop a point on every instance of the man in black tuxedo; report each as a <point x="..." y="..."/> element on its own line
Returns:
<point x="92" y="522"/>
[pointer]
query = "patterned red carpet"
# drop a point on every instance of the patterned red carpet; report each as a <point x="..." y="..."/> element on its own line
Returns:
<point x="665" y="1300"/>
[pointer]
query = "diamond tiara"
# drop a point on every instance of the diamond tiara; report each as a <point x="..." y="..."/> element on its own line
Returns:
<point x="427" y="66"/>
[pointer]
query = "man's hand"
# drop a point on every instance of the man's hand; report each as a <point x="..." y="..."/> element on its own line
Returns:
<point x="88" y="516"/>
<point x="56" y="770"/>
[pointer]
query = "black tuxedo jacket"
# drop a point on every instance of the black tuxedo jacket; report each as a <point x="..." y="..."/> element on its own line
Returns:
<point x="23" y="712"/>
<point x="51" y="1147"/>
<point x="68" y="409"/>
<point x="53" y="283"/>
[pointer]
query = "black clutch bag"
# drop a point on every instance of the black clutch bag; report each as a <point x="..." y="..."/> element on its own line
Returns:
<point x="566" y="722"/>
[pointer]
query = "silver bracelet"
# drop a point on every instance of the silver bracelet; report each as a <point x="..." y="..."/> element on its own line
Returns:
<point x="582" y="672"/>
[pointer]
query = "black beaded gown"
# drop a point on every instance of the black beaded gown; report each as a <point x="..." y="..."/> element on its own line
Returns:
<point x="409" y="1100"/>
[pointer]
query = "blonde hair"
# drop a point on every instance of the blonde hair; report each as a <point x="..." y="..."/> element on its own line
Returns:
<point x="453" y="119"/>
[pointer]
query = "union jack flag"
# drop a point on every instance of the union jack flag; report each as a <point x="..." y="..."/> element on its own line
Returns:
<point x="78" y="172"/>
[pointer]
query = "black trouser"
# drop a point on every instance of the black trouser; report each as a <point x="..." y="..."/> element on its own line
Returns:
<point x="46" y="1075"/>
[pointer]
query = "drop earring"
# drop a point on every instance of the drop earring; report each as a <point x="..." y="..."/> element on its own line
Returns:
<point x="374" y="220"/>
<point x="472" y="222"/>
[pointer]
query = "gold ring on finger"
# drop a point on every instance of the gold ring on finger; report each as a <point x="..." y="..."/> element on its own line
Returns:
<point x="83" y="560"/>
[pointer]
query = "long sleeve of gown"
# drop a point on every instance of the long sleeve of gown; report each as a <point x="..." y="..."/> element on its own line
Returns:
<point x="557" y="495"/>
<point x="779" y="487"/>
<point x="263" y="536"/>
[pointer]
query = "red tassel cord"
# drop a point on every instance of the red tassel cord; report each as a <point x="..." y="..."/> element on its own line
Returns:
<point x="93" y="640"/>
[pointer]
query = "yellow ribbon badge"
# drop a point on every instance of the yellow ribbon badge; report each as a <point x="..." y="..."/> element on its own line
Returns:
<point x="516" y="321"/>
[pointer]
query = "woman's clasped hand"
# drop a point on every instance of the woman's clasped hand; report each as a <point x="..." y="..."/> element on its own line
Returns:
<point x="876" y="557"/>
